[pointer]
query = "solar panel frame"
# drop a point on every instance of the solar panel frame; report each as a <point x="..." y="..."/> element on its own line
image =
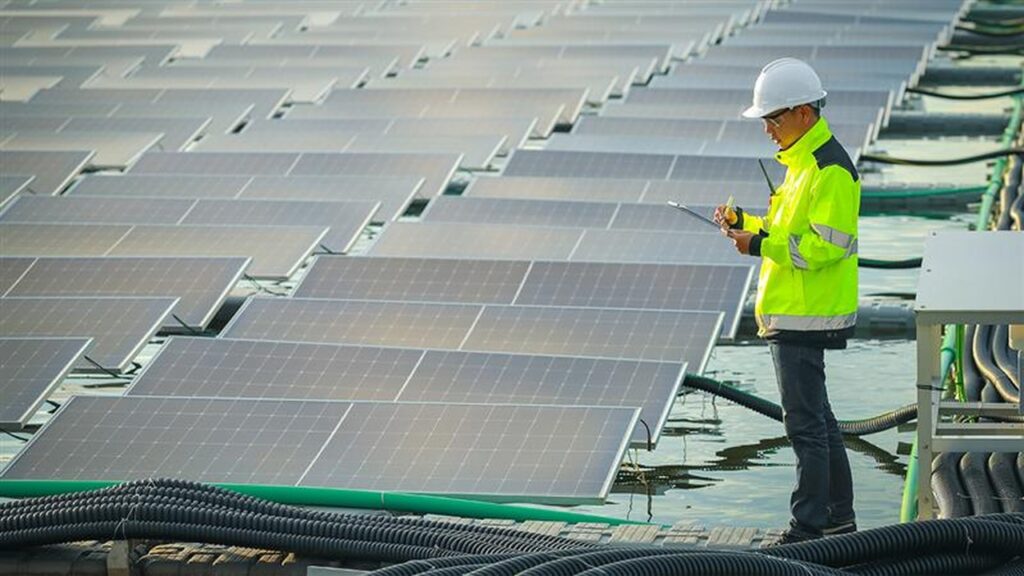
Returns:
<point x="52" y="170"/>
<point x="276" y="251"/>
<point x="345" y="220"/>
<point x="30" y="369"/>
<point x="112" y="349"/>
<point x="201" y="284"/>
<point x="177" y="132"/>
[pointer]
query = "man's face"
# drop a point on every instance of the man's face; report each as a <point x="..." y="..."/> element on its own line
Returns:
<point x="785" y="126"/>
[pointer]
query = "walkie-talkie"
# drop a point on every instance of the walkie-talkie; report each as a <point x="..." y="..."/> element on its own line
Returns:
<point x="771" y="187"/>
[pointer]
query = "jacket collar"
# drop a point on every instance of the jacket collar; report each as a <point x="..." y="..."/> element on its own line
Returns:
<point x="803" y="149"/>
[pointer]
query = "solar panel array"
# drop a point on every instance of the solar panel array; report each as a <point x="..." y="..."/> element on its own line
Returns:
<point x="527" y="261"/>
<point x="500" y="452"/>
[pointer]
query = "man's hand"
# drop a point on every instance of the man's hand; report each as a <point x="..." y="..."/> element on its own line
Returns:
<point x="725" y="216"/>
<point x="741" y="240"/>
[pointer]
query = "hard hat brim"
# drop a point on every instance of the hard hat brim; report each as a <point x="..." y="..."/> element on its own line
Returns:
<point x="755" y="112"/>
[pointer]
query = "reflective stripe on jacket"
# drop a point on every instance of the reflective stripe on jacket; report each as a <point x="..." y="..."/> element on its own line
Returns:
<point x="808" y="279"/>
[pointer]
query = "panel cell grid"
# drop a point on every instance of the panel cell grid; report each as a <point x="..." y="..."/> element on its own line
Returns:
<point x="244" y="441"/>
<point x="543" y="188"/>
<point x="460" y="240"/>
<point x="220" y="367"/>
<point x="119" y="326"/>
<point x="52" y="170"/>
<point x="276" y="251"/>
<point x="435" y="169"/>
<point x="11" y="185"/>
<point x="393" y="192"/>
<point x="201" y="284"/>
<point x="215" y="163"/>
<point x="354" y="322"/>
<point x="665" y="336"/>
<point x="59" y="239"/>
<point x="11" y="270"/>
<point x="97" y="210"/>
<point x="413" y="279"/>
<point x="485" y="451"/>
<point x="30" y="368"/>
<point x="159" y="186"/>
<point x="663" y="217"/>
<point x="524" y="212"/>
<point x="656" y="247"/>
<point x="346" y="220"/>
<point x="642" y="286"/>
<point x="566" y="164"/>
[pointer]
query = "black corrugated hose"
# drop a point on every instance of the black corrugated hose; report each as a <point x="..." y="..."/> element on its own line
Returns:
<point x="774" y="411"/>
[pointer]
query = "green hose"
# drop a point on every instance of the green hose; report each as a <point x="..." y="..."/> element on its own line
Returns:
<point x="338" y="497"/>
<point x="920" y="193"/>
<point x="988" y="198"/>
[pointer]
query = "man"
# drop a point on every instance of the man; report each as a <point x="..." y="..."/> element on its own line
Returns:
<point x="807" y="288"/>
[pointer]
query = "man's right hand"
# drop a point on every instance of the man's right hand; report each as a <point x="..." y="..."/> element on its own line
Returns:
<point x="725" y="216"/>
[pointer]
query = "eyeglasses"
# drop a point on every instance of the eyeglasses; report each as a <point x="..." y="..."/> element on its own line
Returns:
<point x="773" y="119"/>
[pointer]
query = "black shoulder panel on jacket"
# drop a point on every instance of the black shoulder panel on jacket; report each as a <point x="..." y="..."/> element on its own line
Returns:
<point x="832" y="152"/>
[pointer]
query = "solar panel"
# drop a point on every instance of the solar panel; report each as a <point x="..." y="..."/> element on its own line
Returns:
<point x="20" y="109"/>
<point x="542" y="188"/>
<point x="215" y="163"/>
<point x="609" y="333"/>
<point x="721" y="168"/>
<point x="515" y="130"/>
<point x="52" y="170"/>
<point x="414" y="279"/>
<point x="11" y="185"/>
<point x="276" y="251"/>
<point x="246" y="441"/>
<point x="663" y="335"/>
<point x="477" y="151"/>
<point x="459" y="240"/>
<point x="177" y="132"/>
<point x="30" y="368"/>
<point x="656" y="248"/>
<point x="643" y="286"/>
<point x="119" y="326"/>
<point x="393" y="192"/>
<point x="228" y="368"/>
<point x="353" y="322"/>
<point x="484" y="451"/>
<point x="11" y="270"/>
<point x="321" y="141"/>
<point x="224" y="116"/>
<point x="566" y="164"/>
<point x="752" y="195"/>
<point x="59" y="239"/>
<point x="345" y="220"/>
<point x="113" y="149"/>
<point x="741" y="97"/>
<point x="200" y="284"/>
<point x="159" y="185"/>
<point x="575" y="214"/>
<point x="435" y="169"/>
<point x="97" y="210"/>
<point x="662" y="217"/>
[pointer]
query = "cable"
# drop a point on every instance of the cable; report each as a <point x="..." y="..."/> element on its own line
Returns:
<point x="926" y="92"/>
<point x="889" y="264"/>
<point x="979" y="51"/>
<point x="885" y="159"/>
<point x="190" y="329"/>
<point x="15" y="436"/>
<point x="981" y="31"/>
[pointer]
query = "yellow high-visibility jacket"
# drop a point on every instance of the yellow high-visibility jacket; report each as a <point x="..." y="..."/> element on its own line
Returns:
<point x="807" y="288"/>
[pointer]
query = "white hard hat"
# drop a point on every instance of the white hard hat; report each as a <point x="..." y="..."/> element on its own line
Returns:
<point x="784" y="83"/>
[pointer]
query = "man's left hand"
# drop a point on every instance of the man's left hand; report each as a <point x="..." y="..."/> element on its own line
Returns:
<point x="741" y="240"/>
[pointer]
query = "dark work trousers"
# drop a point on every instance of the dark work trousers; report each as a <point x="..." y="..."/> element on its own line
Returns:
<point x="824" y="487"/>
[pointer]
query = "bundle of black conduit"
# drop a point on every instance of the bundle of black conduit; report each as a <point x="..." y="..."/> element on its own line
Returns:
<point x="179" y="510"/>
<point x="186" y="511"/>
<point x="772" y="410"/>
